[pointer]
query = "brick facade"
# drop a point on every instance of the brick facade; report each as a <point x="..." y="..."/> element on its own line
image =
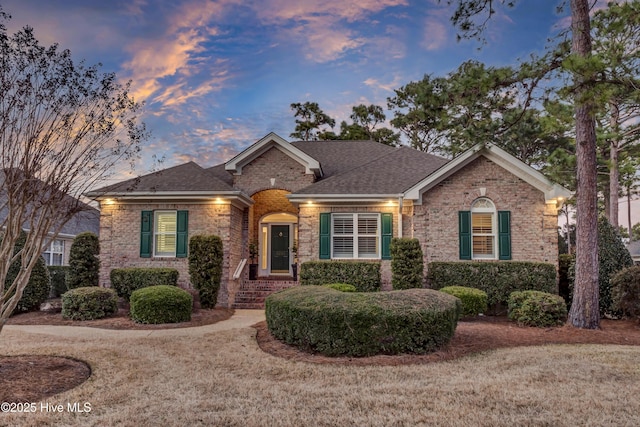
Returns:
<point x="533" y="222"/>
<point x="120" y="239"/>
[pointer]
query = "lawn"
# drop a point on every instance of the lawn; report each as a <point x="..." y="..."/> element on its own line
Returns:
<point x="146" y="378"/>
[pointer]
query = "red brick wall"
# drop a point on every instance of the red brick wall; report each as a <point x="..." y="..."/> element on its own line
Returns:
<point x="288" y="173"/>
<point x="120" y="239"/>
<point x="533" y="222"/>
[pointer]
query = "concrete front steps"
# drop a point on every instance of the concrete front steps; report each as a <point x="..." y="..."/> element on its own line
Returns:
<point x="252" y="293"/>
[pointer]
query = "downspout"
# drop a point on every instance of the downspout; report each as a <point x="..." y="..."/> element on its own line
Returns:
<point x="400" y="201"/>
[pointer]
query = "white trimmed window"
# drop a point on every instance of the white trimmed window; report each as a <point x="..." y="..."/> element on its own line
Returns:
<point x="483" y="229"/>
<point x="165" y="232"/>
<point x="355" y="236"/>
<point x="54" y="255"/>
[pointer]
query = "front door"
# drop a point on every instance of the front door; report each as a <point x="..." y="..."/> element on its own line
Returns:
<point x="280" y="249"/>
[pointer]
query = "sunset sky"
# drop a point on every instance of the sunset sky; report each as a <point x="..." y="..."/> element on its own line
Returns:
<point x="218" y="75"/>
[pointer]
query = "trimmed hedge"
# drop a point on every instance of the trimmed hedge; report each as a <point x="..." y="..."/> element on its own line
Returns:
<point x="342" y="287"/>
<point x="365" y="276"/>
<point x="407" y="263"/>
<point x="334" y="323"/>
<point x="161" y="304"/>
<point x="89" y="303"/>
<point x="535" y="308"/>
<point x="625" y="291"/>
<point x="205" y="267"/>
<point x="84" y="264"/>
<point x="474" y="301"/>
<point x="58" y="274"/>
<point x="127" y="280"/>
<point x="497" y="279"/>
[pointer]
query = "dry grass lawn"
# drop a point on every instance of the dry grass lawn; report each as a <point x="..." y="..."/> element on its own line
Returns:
<point x="224" y="379"/>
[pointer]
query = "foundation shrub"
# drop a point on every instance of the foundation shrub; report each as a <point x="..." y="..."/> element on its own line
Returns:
<point x="58" y="274"/>
<point x="37" y="289"/>
<point x="160" y="304"/>
<point x="535" y="308"/>
<point x="565" y="261"/>
<point x="407" y="263"/>
<point x="334" y="323"/>
<point x="342" y="287"/>
<point x="613" y="256"/>
<point x="474" y="301"/>
<point x="625" y="291"/>
<point x="497" y="279"/>
<point x="205" y="267"/>
<point x="127" y="280"/>
<point x="365" y="276"/>
<point x="89" y="303"/>
<point x="84" y="264"/>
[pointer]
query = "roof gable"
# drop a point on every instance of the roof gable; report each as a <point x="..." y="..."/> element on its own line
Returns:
<point x="551" y="190"/>
<point x="272" y="140"/>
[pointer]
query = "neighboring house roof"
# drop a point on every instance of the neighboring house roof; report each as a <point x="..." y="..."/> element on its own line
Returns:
<point x="86" y="219"/>
<point x="389" y="174"/>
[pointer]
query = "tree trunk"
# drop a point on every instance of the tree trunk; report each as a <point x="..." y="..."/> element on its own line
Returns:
<point x="614" y="171"/>
<point x="585" y="311"/>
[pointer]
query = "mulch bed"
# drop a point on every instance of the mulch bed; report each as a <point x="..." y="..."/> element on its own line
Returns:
<point x="30" y="378"/>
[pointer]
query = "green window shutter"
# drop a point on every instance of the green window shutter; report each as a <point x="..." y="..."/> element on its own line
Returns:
<point x="504" y="235"/>
<point x="387" y="234"/>
<point x="182" y="238"/>
<point x="146" y="234"/>
<point x="464" y="234"/>
<point x="325" y="236"/>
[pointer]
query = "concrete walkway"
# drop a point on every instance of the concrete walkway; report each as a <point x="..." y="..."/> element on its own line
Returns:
<point x="240" y="319"/>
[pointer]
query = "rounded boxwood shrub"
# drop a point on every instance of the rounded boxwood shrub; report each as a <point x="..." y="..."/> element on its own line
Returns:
<point x="88" y="303"/>
<point x="535" y="308"/>
<point x="160" y="304"/>
<point x="342" y="287"/>
<point x="334" y="323"/>
<point x="625" y="291"/>
<point x="474" y="301"/>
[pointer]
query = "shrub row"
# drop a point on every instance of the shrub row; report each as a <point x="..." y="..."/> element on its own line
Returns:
<point x="205" y="267"/>
<point x="407" y="263"/>
<point x="88" y="303"/>
<point x="535" y="308"/>
<point x="365" y="276"/>
<point x="474" y="301"/>
<point x="161" y="304"/>
<point x="334" y="323"/>
<point x="127" y="280"/>
<point x="342" y="287"/>
<point x="497" y="279"/>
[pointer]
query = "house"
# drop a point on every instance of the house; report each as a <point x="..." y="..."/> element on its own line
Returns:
<point x="333" y="200"/>
<point x="57" y="250"/>
<point x="634" y="250"/>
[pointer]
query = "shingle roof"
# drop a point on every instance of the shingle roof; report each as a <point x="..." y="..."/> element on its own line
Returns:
<point x="221" y="173"/>
<point x="336" y="157"/>
<point x="391" y="172"/>
<point x="186" y="177"/>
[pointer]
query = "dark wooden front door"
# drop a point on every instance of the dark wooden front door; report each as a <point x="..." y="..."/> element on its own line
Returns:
<point x="280" y="249"/>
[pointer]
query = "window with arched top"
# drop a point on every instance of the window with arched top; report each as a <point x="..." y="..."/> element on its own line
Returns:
<point x="484" y="232"/>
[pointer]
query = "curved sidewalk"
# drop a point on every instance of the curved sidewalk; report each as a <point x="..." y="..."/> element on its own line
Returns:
<point x="240" y="319"/>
